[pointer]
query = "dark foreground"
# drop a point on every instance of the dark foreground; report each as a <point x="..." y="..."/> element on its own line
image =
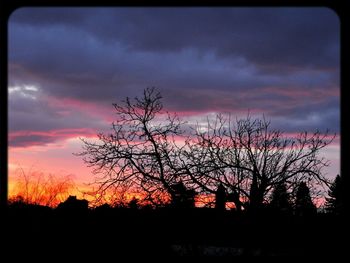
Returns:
<point x="165" y="234"/>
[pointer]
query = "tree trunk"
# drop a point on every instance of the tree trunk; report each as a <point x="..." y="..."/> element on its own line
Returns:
<point x="234" y="197"/>
<point x="256" y="195"/>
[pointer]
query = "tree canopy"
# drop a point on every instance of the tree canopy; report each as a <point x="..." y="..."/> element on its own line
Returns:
<point x="141" y="151"/>
<point x="336" y="200"/>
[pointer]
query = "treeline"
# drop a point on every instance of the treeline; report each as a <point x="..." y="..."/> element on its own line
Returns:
<point x="73" y="229"/>
<point x="282" y="202"/>
<point x="178" y="230"/>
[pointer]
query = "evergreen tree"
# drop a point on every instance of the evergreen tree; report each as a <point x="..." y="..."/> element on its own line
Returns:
<point x="335" y="202"/>
<point x="133" y="204"/>
<point x="303" y="203"/>
<point x="220" y="197"/>
<point x="280" y="201"/>
<point x="183" y="197"/>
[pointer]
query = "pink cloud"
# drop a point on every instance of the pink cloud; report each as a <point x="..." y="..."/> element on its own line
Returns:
<point x="92" y="108"/>
<point x="30" y="138"/>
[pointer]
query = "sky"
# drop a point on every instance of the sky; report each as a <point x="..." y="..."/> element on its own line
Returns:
<point x="68" y="65"/>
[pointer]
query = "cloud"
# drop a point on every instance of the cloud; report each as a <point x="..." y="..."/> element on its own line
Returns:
<point x="37" y="119"/>
<point x="34" y="138"/>
<point x="293" y="36"/>
<point x="282" y="62"/>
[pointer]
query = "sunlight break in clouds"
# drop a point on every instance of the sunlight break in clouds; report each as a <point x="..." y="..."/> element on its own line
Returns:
<point x="25" y="91"/>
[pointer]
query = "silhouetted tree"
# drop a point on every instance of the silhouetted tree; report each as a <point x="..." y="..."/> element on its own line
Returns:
<point x="280" y="199"/>
<point x="303" y="202"/>
<point x="38" y="188"/>
<point x="141" y="149"/>
<point x="235" y="198"/>
<point x="72" y="204"/>
<point x="246" y="156"/>
<point x="335" y="201"/>
<point x="182" y="197"/>
<point x="220" y="197"/>
<point x="133" y="204"/>
<point x="249" y="158"/>
<point x="104" y="208"/>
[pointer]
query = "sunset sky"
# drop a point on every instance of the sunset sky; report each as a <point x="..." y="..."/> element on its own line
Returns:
<point x="68" y="65"/>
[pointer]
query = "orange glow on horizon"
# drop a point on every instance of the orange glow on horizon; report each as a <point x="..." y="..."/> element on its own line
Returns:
<point x="57" y="159"/>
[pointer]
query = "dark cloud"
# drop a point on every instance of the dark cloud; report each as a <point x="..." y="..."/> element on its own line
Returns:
<point x="292" y="36"/>
<point x="283" y="62"/>
<point x="309" y="117"/>
<point x="30" y="140"/>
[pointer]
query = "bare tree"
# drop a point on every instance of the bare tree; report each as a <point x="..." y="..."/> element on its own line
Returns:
<point x="246" y="156"/>
<point x="38" y="188"/>
<point x="141" y="149"/>
<point x="249" y="158"/>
